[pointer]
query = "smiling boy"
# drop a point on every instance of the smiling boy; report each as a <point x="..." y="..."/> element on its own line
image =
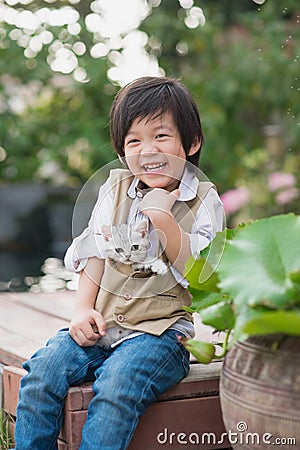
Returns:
<point x="156" y="131"/>
<point x="154" y="153"/>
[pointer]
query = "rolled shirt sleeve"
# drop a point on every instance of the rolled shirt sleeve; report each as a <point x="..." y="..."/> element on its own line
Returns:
<point x="210" y="219"/>
<point x="90" y="243"/>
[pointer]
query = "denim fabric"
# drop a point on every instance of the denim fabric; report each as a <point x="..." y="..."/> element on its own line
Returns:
<point x="127" y="379"/>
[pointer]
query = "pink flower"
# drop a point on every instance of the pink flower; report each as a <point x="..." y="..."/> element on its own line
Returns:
<point x="234" y="199"/>
<point x="287" y="195"/>
<point x="280" y="180"/>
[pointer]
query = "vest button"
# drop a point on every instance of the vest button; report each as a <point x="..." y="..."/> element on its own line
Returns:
<point x="127" y="296"/>
<point x="120" y="318"/>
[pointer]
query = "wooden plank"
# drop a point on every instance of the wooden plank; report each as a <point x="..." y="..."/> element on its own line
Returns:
<point x="61" y="445"/>
<point x="18" y="318"/>
<point x="23" y="330"/>
<point x="59" y="304"/>
<point x="201" y="381"/>
<point x="79" y="397"/>
<point x="167" y="423"/>
<point x="163" y="424"/>
<point x="29" y="320"/>
<point x="72" y="427"/>
<point x="11" y="382"/>
<point x="196" y="384"/>
<point x="13" y="350"/>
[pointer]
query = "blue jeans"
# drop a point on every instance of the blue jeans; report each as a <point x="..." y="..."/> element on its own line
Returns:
<point x="127" y="380"/>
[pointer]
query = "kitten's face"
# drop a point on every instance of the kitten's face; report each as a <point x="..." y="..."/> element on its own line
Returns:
<point x="126" y="244"/>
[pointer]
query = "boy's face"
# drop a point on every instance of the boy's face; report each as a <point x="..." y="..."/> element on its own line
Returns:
<point x="154" y="152"/>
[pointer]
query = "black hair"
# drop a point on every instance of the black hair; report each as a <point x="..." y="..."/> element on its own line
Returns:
<point x="152" y="97"/>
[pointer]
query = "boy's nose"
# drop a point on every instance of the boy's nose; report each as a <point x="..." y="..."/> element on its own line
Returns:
<point x="149" y="148"/>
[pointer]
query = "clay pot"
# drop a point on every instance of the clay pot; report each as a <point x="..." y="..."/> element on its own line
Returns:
<point x="260" y="393"/>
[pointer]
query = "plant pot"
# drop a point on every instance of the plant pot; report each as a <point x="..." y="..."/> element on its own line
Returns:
<point x="260" y="393"/>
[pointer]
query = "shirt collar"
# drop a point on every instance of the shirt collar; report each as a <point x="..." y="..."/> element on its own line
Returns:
<point x="188" y="187"/>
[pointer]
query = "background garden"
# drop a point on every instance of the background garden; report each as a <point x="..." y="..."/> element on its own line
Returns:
<point x="61" y="63"/>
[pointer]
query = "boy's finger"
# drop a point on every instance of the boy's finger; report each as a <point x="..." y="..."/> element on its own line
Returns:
<point x="100" y="324"/>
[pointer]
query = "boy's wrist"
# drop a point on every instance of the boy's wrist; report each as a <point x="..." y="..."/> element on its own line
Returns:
<point x="158" y="216"/>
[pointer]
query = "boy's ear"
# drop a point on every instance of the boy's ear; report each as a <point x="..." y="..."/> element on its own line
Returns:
<point x="194" y="147"/>
<point x="123" y="160"/>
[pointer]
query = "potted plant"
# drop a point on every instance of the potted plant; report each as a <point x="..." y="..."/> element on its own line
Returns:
<point x="247" y="285"/>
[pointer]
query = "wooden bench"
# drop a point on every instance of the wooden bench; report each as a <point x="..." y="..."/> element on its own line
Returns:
<point x="187" y="413"/>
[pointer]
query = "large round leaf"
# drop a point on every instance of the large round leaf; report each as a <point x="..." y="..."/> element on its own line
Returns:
<point x="260" y="265"/>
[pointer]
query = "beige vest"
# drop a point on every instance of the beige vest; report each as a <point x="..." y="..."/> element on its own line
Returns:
<point x="138" y="300"/>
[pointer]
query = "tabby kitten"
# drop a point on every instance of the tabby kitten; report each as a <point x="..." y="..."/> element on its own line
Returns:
<point x="129" y="245"/>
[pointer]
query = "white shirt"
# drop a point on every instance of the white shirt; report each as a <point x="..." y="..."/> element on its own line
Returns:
<point x="209" y="219"/>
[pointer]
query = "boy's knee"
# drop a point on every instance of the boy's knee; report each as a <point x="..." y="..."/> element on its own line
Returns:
<point x="50" y="358"/>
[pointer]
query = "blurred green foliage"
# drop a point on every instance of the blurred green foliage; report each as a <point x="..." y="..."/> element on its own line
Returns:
<point x="242" y="67"/>
<point x="66" y="124"/>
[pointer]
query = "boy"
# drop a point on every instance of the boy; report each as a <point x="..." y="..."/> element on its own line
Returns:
<point x="123" y="334"/>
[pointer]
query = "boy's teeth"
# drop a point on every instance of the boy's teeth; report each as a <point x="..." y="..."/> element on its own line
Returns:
<point x="154" y="166"/>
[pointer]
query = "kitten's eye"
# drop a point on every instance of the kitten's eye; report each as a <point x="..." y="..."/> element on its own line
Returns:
<point x="118" y="250"/>
<point x="134" y="247"/>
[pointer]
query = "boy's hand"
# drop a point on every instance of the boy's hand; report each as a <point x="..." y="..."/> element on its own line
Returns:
<point x="158" y="200"/>
<point x="86" y="327"/>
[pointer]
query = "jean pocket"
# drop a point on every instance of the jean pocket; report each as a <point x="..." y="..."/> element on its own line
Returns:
<point x="182" y="352"/>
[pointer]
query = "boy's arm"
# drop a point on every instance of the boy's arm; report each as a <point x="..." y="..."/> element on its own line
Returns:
<point x="157" y="205"/>
<point x="86" y="318"/>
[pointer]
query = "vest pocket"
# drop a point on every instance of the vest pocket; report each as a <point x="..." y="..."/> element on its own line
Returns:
<point x="167" y="295"/>
<point x="136" y="310"/>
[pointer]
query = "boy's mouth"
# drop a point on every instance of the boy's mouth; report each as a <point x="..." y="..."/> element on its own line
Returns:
<point x="154" y="167"/>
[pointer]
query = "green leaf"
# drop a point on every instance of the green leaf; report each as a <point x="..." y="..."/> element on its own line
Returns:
<point x="295" y="277"/>
<point x="244" y="314"/>
<point x="285" y="322"/>
<point x="219" y="316"/>
<point x="200" y="275"/>
<point x="203" y="299"/>
<point x="201" y="272"/>
<point x="256" y="265"/>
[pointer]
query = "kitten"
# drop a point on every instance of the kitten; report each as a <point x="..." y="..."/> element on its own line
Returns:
<point x="129" y="245"/>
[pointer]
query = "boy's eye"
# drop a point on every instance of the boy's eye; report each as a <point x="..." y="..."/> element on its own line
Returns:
<point x="118" y="250"/>
<point x="133" y="141"/>
<point x="161" y="135"/>
<point x="134" y="247"/>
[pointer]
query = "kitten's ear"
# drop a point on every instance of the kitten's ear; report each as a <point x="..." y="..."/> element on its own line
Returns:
<point x="106" y="231"/>
<point x="142" y="228"/>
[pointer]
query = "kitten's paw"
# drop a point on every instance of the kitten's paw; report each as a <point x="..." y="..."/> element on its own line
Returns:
<point x="159" y="267"/>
